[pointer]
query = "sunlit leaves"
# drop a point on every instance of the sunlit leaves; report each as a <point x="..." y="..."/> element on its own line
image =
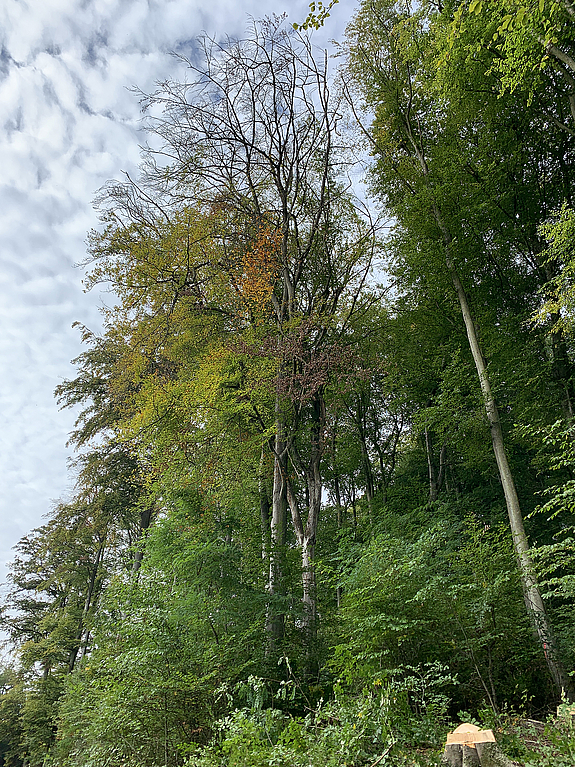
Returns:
<point x="522" y="38"/>
<point x="260" y="270"/>
<point x="559" y="293"/>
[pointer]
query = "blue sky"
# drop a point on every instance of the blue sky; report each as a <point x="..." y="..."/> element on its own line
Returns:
<point x="68" y="124"/>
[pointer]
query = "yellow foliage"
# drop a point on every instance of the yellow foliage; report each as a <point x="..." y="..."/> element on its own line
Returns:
<point x="260" y="268"/>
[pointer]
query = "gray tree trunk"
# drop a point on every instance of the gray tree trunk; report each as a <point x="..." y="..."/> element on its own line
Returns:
<point x="531" y="592"/>
<point x="275" y="621"/>
<point x="490" y="755"/>
<point x="433" y="483"/>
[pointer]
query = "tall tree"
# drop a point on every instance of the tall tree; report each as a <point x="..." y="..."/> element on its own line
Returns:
<point x="421" y="171"/>
<point x="250" y="146"/>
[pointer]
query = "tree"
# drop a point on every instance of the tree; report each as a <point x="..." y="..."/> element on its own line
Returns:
<point x="251" y="151"/>
<point x="531" y="43"/>
<point x="411" y="138"/>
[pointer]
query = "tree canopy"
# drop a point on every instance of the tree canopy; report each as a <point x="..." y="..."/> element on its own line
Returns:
<point x="324" y="496"/>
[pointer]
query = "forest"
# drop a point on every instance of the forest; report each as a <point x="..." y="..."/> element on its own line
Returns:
<point x="324" y="472"/>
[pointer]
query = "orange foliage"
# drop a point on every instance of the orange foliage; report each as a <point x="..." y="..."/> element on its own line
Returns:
<point x="260" y="268"/>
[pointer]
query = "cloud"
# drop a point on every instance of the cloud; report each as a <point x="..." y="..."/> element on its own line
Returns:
<point x="68" y="123"/>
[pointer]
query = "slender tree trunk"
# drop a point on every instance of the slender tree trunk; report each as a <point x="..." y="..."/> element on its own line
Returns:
<point x="275" y="622"/>
<point x="338" y="507"/>
<point x="442" y="464"/>
<point x="308" y="549"/>
<point x="265" y="514"/>
<point x="433" y="484"/>
<point x="359" y="418"/>
<point x="306" y="533"/>
<point x="144" y="525"/>
<point x="87" y="604"/>
<point x="306" y="538"/>
<point x="369" y="484"/>
<point x="315" y="487"/>
<point x="531" y="592"/>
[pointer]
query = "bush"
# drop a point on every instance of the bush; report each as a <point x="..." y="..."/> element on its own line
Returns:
<point x="398" y="719"/>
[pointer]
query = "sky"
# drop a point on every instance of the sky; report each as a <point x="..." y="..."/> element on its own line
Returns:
<point x="69" y="123"/>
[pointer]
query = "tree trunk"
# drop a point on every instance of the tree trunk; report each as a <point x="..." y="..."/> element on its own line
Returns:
<point x="145" y="522"/>
<point x="265" y="516"/>
<point x="87" y="605"/>
<point x="338" y="506"/>
<point x="315" y="487"/>
<point x="470" y="757"/>
<point x="531" y="592"/>
<point x="306" y="534"/>
<point x="490" y="755"/>
<point x="415" y="148"/>
<point x="483" y="755"/>
<point x="275" y="621"/>
<point x="338" y="590"/>
<point x="433" y="483"/>
<point x="306" y="538"/>
<point x="442" y="463"/>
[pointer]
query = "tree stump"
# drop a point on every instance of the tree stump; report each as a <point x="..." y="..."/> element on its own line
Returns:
<point x="453" y="755"/>
<point x="457" y="755"/>
<point x="483" y="755"/>
<point x="470" y="757"/>
<point x="469" y="746"/>
<point x="490" y="755"/>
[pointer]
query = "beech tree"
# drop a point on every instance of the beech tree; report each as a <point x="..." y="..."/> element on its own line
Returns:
<point x="250" y="142"/>
<point x="412" y="137"/>
<point x="534" y="44"/>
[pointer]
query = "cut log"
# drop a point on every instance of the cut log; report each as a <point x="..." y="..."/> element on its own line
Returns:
<point x="490" y="755"/>
<point x="457" y="755"/>
<point x="468" y="746"/>
<point x="566" y="713"/>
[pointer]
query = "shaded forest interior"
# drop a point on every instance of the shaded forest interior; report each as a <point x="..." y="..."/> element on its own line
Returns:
<point x="324" y="467"/>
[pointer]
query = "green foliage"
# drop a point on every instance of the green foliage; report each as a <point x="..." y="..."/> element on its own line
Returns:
<point x="525" y="39"/>
<point x="316" y="20"/>
<point x="350" y="730"/>
<point x="450" y="594"/>
<point x="559" y="294"/>
<point x="558" y="751"/>
<point x="37" y="721"/>
<point x="164" y="643"/>
<point x="146" y="687"/>
<point x="12" y="698"/>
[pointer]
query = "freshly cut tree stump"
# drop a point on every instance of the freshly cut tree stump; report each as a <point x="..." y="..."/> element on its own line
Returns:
<point x="457" y="755"/>
<point x="453" y="755"/>
<point x="490" y="755"/>
<point x="468" y="746"/>
<point x="483" y="755"/>
<point x="470" y="757"/>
